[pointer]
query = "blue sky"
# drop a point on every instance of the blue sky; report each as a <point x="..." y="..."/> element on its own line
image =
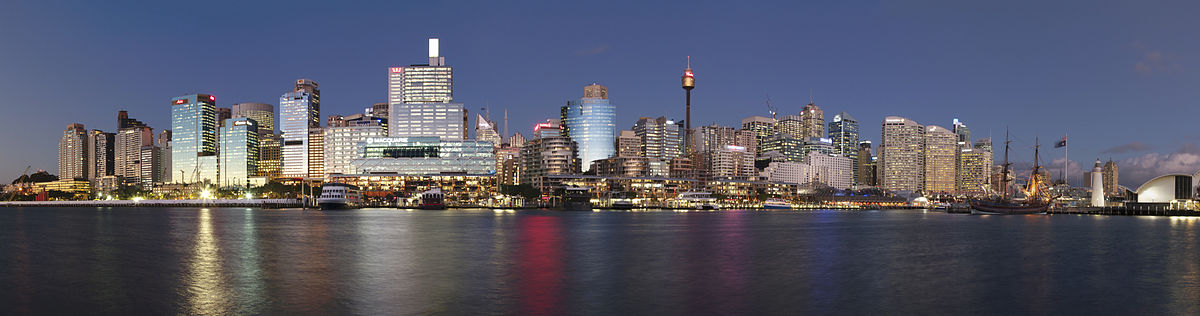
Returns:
<point x="1118" y="76"/>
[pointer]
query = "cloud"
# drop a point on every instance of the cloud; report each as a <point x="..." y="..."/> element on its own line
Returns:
<point x="1137" y="170"/>
<point x="597" y="50"/>
<point x="1127" y="148"/>
<point x="1154" y="60"/>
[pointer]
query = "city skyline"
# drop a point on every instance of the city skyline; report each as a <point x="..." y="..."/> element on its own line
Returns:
<point x="1002" y="81"/>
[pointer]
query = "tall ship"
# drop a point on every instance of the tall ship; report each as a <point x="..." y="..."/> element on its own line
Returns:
<point x="576" y="199"/>
<point x="433" y="199"/>
<point x="339" y="196"/>
<point x="1036" y="201"/>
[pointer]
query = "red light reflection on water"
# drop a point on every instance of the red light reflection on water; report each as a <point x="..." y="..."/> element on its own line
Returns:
<point x="540" y="270"/>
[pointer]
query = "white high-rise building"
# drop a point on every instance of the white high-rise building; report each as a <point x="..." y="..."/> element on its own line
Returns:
<point x="901" y="162"/>
<point x="420" y="100"/>
<point x="940" y="148"/>
<point x="73" y="152"/>
<point x="485" y="130"/>
<point x="786" y="172"/>
<point x="299" y="114"/>
<point x="344" y="144"/>
<point x="831" y="169"/>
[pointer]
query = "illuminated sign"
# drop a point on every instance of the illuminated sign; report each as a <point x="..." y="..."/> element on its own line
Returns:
<point x="241" y="123"/>
<point x="894" y="120"/>
<point x="826" y="140"/>
<point x="688" y="73"/>
<point x="212" y="98"/>
<point x="542" y="125"/>
<point x="735" y="148"/>
<point x="397" y="70"/>
<point x="180" y="101"/>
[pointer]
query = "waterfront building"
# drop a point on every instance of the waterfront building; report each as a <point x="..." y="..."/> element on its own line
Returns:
<point x="843" y="133"/>
<point x="865" y="175"/>
<point x="621" y="166"/>
<point x="127" y="152"/>
<point x="299" y="115"/>
<point x="830" y="169"/>
<point x="548" y="153"/>
<point x="629" y="144"/>
<point x="901" y="161"/>
<point x="424" y="155"/>
<point x="713" y="138"/>
<point x="100" y="154"/>
<point x="790" y="148"/>
<point x="73" y="152"/>
<point x="940" y="150"/>
<point x="508" y="162"/>
<point x="239" y="152"/>
<point x="790" y="125"/>
<point x="81" y="188"/>
<point x="732" y="162"/>
<point x="974" y="171"/>
<point x="812" y="121"/>
<point x="447" y="121"/>
<point x="343" y="144"/>
<point x="592" y="123"/>
<point x="1112" y="186"/>
<point x="193" y="137"/>
<point x="263" y="115"/>
<point x="461" y="190"/>
<point x="486" y="130"/>
<point x="762" y="127"/>
<point x="516" y="140"/>
<point x="661" y="138"/>
<point x="648" y="191"/>
<point x="786" y="172"/>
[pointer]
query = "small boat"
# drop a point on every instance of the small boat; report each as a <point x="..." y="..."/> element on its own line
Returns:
<point x="777" y="204"/>
<point x="698" y="200"/>
<point x="576" y="199"/>
<point x="622" y="205"/>
<point x="433" y="199"/>
<point x="339" y="196"/>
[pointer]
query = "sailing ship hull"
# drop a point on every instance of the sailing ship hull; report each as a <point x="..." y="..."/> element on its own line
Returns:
<point x="1007" y="209"/>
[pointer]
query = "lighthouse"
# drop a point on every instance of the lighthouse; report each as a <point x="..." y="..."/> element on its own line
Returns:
<point x="1097" y="185"/>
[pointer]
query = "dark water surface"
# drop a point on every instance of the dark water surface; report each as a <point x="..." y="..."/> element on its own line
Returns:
<point x="389" y="262"/>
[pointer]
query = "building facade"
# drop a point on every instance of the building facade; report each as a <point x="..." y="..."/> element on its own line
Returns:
<point x="1112" y="184"/>
<point x="193" y="136"/>
<point x="940" y="152"/>
<point x="661" y="138"/>
<point x="127" y="152"/>
<point x="73" y="152"/>
<point x="263" y="115"/>
<point x="238" y="158"/>
<point x="592" y="123"/>
<point x="346" y="143"/>
<point x="974" y="171"/>
<point x="299" y="115"/>
<point x="100" y="154"/>
<point x="424" y="155"/>
<point x="843" y="133"/>
<point x="812" y="121"/>
<point x="901" y="161"/>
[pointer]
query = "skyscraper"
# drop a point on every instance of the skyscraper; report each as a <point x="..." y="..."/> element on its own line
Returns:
<point x="865" y="172"/>
<point x="629" y="144"/>
<point x="812" y="122"/>
<point x="548" y="153"/>
<point x="940" y="151"/>
<point x="127" y="154"/>
<point x="300" y="113"/>
<point x="901" y="162"/>
<point x="485" y="130"/>
<point x="974" y="170"/>
<point x="763" y="128"/>
<point x="661" y="138"/>
<point x="962" y="132"/>
<point x="73" y="152"/>
<point x="263" y="115"/>
<point x="843" y="133"/>
<point x="592" y="123"/>
<point x="194" y="138"/>
<point x="790" y="125"/>
<point x="100" y="154"/>
<point x="344" y="144"/>
<point x="239" y="152"/>
<point x="516" y="140"/>
<point x="222" y="115"/>
<point x="1112" y="185"/>
<point x="163" y="143"/>
<point x="420" y="96"/>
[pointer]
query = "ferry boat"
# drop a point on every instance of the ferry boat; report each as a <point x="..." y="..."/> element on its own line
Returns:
<point x="777" y="204"/>
<point x="433" y="199"/>
<point x="1036" y="200"/>
<point x="698" y="200"/>
<point x="339" y="196"/>
<point x="576" y="199"/>
<point x="622" y="205"/>
<point x="620" y="200"/>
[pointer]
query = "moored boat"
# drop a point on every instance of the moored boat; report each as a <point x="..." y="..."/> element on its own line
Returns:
<point x="576" y="199"/>
<point x="777" y="204"/>
<point x="698" y="200"/>
<point x="339" y="196"/>
<point x="1035" y="202"/>
<point x="433" y="199"/>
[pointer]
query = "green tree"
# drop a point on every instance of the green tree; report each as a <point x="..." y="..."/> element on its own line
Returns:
<point x="40" y="176"/>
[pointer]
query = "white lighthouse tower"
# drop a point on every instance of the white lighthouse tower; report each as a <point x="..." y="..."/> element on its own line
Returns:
<point x="1097" y="185"/>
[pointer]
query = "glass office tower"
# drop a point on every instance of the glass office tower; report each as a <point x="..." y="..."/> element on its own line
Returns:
<point x="592" y="123"/>
<point x="299" y="111"/>
<point x="194" y="136"/>
<point x="239" y="152"/>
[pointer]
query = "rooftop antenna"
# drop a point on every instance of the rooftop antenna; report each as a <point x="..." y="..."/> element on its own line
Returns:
<point x="810" y="96"/>
<point x="505" y="121"/>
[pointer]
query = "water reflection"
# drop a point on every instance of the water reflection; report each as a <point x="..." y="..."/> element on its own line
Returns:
<point x="541" y="265"/>
<point x="205" y="283"/>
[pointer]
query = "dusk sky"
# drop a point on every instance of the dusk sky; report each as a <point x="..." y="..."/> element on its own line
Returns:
<point x="1120" y="77"/>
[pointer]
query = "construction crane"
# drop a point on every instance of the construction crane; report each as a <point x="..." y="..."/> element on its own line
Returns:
<point x="771" y="108"/>
<point x="24" y="178"/>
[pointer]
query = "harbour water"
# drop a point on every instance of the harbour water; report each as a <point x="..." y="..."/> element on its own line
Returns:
<point x="396" y="262"/>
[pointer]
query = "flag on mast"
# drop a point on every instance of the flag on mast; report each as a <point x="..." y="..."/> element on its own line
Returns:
<point x="1062" y="143"/>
